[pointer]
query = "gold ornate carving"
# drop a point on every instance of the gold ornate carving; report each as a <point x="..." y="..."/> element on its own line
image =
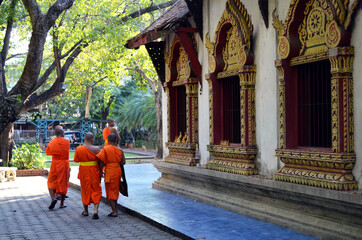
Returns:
<point x="238" y="160"/>
<point x="283" y="47"/>
<point x="211" y="48"/>
<point x="233" y="54"/>
<point x="183" y="65"/>
<point x="182" y="153"/>
<point x="319" y="35"/>
<point x="235" y="23"/>
<point x="168" y="114"/>
<point x="239" y="35"/>
<point x="278" y="25"/>
<point x="309" y="58"/>
<point x="313" y="29"/>
<point x="342" y="83"/>
<point x="333" y="35"/>
<point x="348" y="20"/>
<point x="327" y="170"/>
<point x="282" y="122"/>
<point x="211" y="111"/>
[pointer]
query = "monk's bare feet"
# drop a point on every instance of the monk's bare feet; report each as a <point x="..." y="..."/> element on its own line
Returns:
<point x="52" y="205"/>
<point x="85" y="211"/>
<point x="112" y="214"/>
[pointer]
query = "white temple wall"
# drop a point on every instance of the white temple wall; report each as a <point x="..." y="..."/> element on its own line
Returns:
<point x="357" y="96"/>
<point x="266" y="88"/>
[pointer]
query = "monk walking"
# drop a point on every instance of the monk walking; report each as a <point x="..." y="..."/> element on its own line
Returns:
<point x="110" y="129"/>
<point x="113" y="158"/>
<point x="58" y="176"/>
<point x="89" y="174"/>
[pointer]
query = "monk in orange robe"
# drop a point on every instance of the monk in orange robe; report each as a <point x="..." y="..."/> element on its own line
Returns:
<point x="112" y="157"/>
<point x="108" y="130"/>
<point x="89" y="174"/>
<point x="58" y="178"/>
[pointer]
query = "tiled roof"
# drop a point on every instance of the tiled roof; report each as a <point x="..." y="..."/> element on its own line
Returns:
<point x="176" y="13"/>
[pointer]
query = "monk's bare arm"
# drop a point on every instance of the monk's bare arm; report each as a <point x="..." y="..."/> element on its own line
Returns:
<point x="123" y="162"/>
<point x="95" y="149"/>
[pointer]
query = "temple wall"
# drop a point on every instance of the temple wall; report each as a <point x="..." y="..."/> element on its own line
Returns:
<point x="266" y="88"/>
<point x="357" y="94"/>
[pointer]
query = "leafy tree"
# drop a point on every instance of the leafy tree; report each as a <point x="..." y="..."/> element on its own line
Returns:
<point x="62" y="33"/>
<point x="138" y="112"/>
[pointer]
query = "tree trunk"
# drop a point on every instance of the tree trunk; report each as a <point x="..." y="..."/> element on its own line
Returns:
<point x="158" y="105"/>
<point x="88" y="95"/>
<point x="6" y="139"/>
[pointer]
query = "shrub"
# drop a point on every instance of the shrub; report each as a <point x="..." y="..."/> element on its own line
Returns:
<point x="27" y="156"/>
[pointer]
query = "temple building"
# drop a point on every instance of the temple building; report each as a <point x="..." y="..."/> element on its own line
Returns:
<point x="262" y="108"/>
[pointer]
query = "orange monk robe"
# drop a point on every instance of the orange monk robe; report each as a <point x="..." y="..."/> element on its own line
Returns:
<point x="106" y="132"/>
<point x="111" y="156"/>
<point x="58" y="175"/>
<point x="89" y="175"/>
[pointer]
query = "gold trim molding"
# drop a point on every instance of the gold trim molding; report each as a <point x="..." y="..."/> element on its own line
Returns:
<point x="182" y="152"/>
<point x="232" y="159"/>
<point x="323" y="26"/>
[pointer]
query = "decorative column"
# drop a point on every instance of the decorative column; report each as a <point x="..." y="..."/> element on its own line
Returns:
<point x="247" y="109"/>
<point x="342" y="99"/>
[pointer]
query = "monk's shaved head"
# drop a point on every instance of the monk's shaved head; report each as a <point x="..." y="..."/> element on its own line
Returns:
<point x="59" y="131"/>
<point x="111" y="122"/>
<point x="112" y="138"/>
<point x="89" y="137"/>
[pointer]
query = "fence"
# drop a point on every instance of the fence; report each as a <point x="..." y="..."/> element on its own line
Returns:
<point x="29" y="135"/>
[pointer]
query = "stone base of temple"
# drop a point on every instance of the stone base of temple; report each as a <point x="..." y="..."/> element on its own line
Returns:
<point x="324" y="213"/>
<point x="318" y="169"/>
<point x="238" y="160"/>
<point x="182" y="153"/>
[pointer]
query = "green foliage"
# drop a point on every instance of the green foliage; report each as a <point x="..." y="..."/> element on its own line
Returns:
<point x="27" y="156"/>
<point x="138" y="111"/>
<point x="147" y="144"/>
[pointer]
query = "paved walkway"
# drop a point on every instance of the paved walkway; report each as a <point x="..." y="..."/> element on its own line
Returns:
<point x="24" y="214"/>
<point x="188" y="217"/>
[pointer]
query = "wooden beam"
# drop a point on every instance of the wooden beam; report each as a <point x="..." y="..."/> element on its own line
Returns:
<point x="186" y="42"/>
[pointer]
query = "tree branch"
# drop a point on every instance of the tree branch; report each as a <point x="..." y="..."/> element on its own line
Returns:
<point x="55" y="88"/>
<point x="15" y="55"/>
<point x="142" y="11"/>
<point x="148" y="79"/>
<point x="55" y="10"/>
<point x="51" y="68"/>
<point x="33" y="10"/>
<point x="96" y="82"/>
<point x="6" y="44"/>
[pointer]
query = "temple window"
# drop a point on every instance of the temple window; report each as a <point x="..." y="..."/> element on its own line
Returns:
<point x="231" y="109"/>
<point x="232" y="93"/>
<point x="316" y="142"/>
<point x="182" y="94"/>
<point x="181" y="109"/>
<point x="314" y="104"/>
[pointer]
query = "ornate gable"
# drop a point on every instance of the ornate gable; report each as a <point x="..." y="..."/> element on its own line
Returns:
<point x="232" y="39"/>
<point x="320" y="25"/>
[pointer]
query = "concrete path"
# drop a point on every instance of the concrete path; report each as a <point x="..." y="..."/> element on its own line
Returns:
<point x="24" y="214"/>
<point x="187" y="217"/>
